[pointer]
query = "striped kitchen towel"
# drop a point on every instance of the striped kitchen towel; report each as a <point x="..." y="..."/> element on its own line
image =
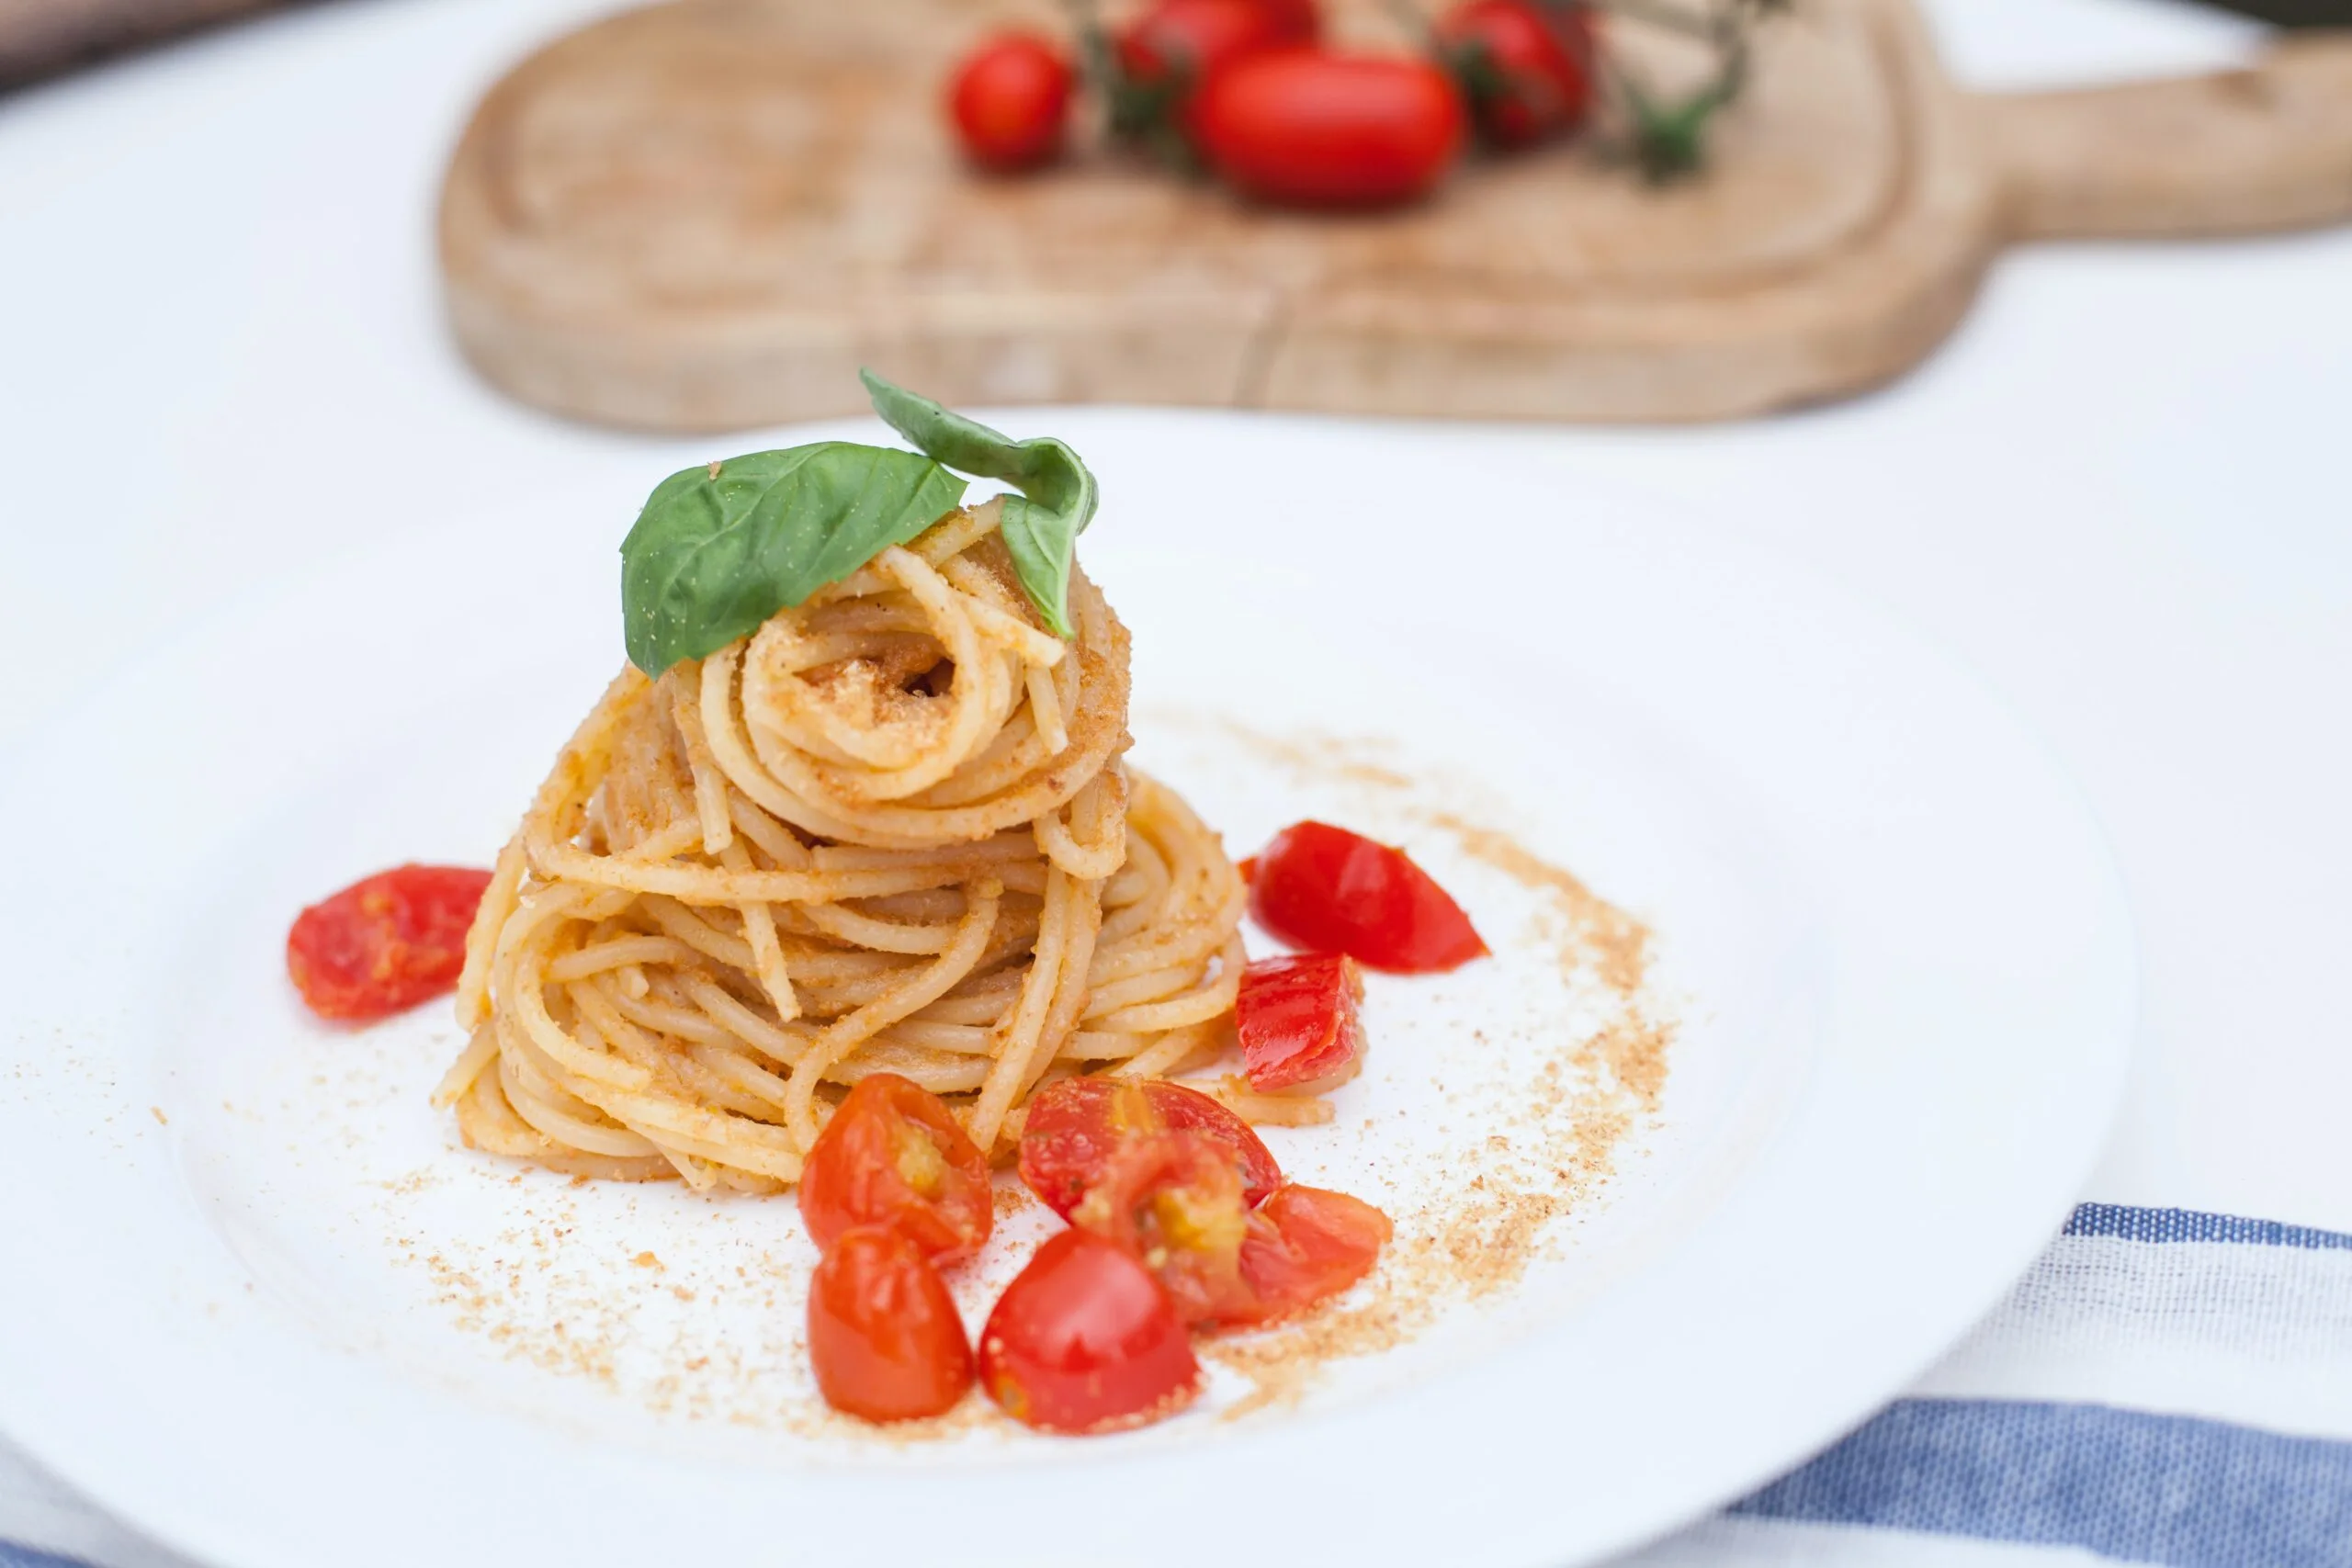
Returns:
<point x="2164" y="1387"/>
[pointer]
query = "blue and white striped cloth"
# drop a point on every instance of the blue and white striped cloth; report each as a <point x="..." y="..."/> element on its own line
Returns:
<point x="2165" y="1387"/>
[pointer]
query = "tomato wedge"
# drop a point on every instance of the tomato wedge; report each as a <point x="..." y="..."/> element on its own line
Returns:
<point x="1075" y="1126"/>
<point x="1085" y="1340"/>
<point x="1298" y="1022"/>
<point x="883" y="1332"/>
<point x="1307" y="1243"/>
<point x="386" y="942"/>
<point x="895" y="1154"/>
<point x="1174" y="1201"/>
<point x="1326" y="889"/>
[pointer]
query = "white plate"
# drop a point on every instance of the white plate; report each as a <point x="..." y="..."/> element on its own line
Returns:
<point x="261" y="1305"/>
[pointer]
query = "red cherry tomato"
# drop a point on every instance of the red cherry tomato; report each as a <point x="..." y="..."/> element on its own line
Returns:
<point x="883" y="1332"/>
<point x="1075" y="1126"/>
<point x="1085" y="1340"/>
<point x="385" y="943"/>
<point x="1181" y="43"/>
<point x="1525" y="66"/>
<point x="1174" y="1201"/>
<point x="894" y="1155"/>
<point x="1297" y="21"/>
<point x="1324" y="888"/>
<point x="1307" y="1243"/>
<point x="1009" y="100"/>
<point x="1303" y="126"/>
<point x="1298" y="1022"/>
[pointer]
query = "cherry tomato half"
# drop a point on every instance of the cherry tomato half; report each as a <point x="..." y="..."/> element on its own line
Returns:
<point x="894" y="1155"/>
<point x="385" y="943"/>
<point x="1181" y="43"/>
<point x="1174" y="1201"/>
<point x="883" y="1332"/>
<point x="1085" y="1340"/>
<point x="1304" y="125"/>
<point x="1298" y="1021"/>
<point x="1333" y="891"/>
<point x="1525" y="66"/>
<point x="1307" y="1243"/>
<point x="1075" y="1126"/>
<point x="1010" y="101"/>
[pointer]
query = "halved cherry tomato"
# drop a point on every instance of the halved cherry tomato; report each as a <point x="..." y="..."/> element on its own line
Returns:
<point x="1174" y="1201"/>
<point x="1298" y="1022"/>
<point x="894" y="1155"/>
<point x="1075" y="1126"/>
<point x="1085" y="1340"/>
<point x="883" y="1332"/>
<point x="1324" y="888"/>
<point x="1525" y="66"/>
<point x="1306" y="126"/>
<point x="1009" y="100"/>
<point x="386" y="942"/>
<point x="1307" y="1243"/>
<point x="1183" y="42"/>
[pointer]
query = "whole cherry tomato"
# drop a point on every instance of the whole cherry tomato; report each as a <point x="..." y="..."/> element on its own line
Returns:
<point x="1181" y="43"/>
<point x="1085" y="1340"/>
<point x="1009" y="100"/>
<point x="1298" y="21"/>
<point x="1298" y="1021"/>
<point x="1525" y="66"/>
<point x="386" y="942"/>
<point x="1307" y="1243"/>
<point x="883" y="1332"/>
<point x="1174" y="1201"/>
<point x="894" y="1155"/>
<point x="1304" y="125"/>
<point x="1075" y="1126"/>
<point x="1323" y="888"/>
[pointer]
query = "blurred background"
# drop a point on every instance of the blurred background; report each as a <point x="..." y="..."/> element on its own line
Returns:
<point x="44" y="37"/>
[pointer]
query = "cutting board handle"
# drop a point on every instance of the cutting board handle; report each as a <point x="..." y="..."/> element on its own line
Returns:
<point x="2268" y="146"/>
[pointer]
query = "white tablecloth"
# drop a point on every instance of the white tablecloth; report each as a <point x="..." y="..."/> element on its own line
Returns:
<point x="2120" y="492"/>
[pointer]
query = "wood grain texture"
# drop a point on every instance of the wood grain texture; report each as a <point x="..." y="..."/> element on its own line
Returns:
<point x="708" y="215"/>
<point x="2239" y="151"/>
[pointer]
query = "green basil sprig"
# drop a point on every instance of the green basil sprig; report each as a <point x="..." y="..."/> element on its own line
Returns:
<point x="1042" y="524"/>
<point x="722" y="547"/>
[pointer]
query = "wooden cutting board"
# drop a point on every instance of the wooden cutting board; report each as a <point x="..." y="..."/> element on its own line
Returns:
<point x="708" y="215"/>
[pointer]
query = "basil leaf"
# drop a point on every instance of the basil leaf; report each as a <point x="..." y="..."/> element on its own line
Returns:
<point x="720" y="548"/>
<point x="1042" y="523"/>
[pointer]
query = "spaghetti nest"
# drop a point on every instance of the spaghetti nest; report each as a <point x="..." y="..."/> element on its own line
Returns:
<point x="890" y="830"/>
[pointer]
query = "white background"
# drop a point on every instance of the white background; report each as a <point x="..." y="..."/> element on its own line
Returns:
<point x="2122" y="491"/>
